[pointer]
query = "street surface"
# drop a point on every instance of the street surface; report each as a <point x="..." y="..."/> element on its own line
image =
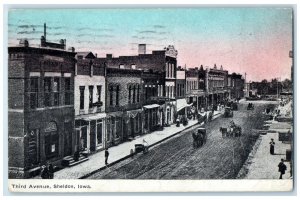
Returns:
<point x="219" y="158"/>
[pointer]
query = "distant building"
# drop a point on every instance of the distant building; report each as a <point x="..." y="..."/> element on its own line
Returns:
<point x="40" y="106"/>
<point x="216" y="85"/>
<point x="152" y="84"/>
<point x="195" y="87"/>
<point x="236" y="86"/>
<point x="181" y="103"/>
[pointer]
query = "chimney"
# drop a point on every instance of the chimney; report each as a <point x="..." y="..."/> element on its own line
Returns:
<point x="45" y="30"/>
<point x="142" y="49"/>
<point x="108" y="55"/>
<point x="96" y="55"/>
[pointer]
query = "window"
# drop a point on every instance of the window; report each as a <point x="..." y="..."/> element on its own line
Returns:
<point x="111" y="95"/>
<point x="129" y="94"/>
<point x="56" y="89"/>
<point x="121" y="66"/>
<point x="81" y="88"/>
<point x="47" y="91"/>
<point x="117" y="95"/>
<point x="138" y="94"/>
<point x="118" y="126"/>
<point x="133" y="66"/>
<point x="137" y="123"/>
<point x="108" y="130"/>
<point x="99" y="87"/>
<point x="133" y="95"/>
<point x="99" y="132"/>
<point x="51" y="140"/>
<point x="34" y="89"/>
<point x="91" y="70"/>
<point x="91" y="88"/>
<point x="68" y="91"/>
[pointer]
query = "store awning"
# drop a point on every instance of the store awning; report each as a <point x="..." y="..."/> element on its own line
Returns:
<point x="181" y="103"/>
<point x="91" y="117"/>
<point x="151" y="106"/>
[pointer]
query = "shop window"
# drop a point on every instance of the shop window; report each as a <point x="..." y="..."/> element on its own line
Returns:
<point x="99" y="132"/>
<point x="33" y="146"/>
<point x="108" y="130"/>
<point x="118" y="126"/>
<point x="47" y="91"/>
<point x="51" y="140"/>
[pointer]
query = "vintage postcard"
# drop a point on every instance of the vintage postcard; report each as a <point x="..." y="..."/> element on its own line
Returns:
<point x="150" y="99"/>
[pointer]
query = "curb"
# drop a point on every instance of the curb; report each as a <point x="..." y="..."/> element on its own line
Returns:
<point x="151" y="145"/>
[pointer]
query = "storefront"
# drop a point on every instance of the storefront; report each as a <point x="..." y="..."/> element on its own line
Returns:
<point x="133" y="123"/>
<point x="151" y="118"/>
<point x="90" y="132"/>
<point x="114" y="128"/>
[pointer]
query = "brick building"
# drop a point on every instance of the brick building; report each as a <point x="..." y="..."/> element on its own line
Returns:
<point x="89" y="103"/>
<point x="40" y="105"/>
<point x="163" y="61"/>
<point x="152" y="83"/>
<point x="195" y="87"/>
<point x="236" y="86"/>
<point x="181" y="102"/>
<point x="123" y="105"/>
<point x="216" y="85"/>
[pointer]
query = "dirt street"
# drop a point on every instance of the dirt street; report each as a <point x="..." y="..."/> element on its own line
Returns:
<point x="219" y="158"/>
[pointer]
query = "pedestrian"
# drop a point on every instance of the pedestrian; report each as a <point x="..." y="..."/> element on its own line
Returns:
<point x="51" y="171"/>
<point x="281" y="168"/>
<point x="272" y="146"/>
<point x="106" y="156"/>
<point x="45" y="172"/>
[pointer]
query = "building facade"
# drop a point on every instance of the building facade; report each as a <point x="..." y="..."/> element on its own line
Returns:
<point x="90" y="116"/>
<point x="41" y="112"/>
<point x="123" y="105"/>
<point x="216" y="86"/>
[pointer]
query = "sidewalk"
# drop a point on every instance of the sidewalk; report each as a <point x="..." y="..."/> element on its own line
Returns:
<point x="96" y="161"/>
<point x="264" y="165"/>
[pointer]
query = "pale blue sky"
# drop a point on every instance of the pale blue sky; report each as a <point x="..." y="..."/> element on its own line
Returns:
<point x="241" y="39"/>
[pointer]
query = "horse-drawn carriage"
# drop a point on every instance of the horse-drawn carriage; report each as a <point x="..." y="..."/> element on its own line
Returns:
<point x="250" y="106"/>
<point x="199" y="137"/>
<point x="232" y="131"/>
<point x="228" y="112"/>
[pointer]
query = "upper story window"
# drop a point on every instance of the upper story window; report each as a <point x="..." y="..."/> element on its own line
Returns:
<point x="99" y="88"/>
<point x="91" y="89"/>
<point x="138" y="94"/>
<point x="117" y="95"/>
<point x="133" y="66"/>
<point x="34" y="89"/>
<point x="47" y="91"/>
<point x="81" y="88"/>
<point x="129" y="94"/>
<point x="121" y="66"/>
<point x="68" y="91"/>
<point x="111" y="95"/>
<point x="56" y="89"/>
